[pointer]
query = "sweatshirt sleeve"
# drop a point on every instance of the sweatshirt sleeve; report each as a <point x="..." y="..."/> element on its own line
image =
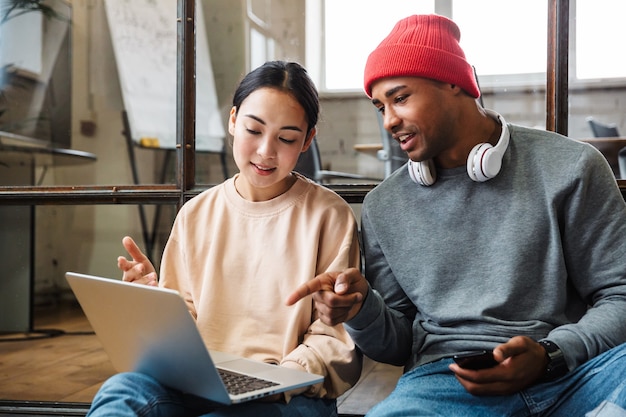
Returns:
<point x="324" y="350"/>
<point x="383" y="327"/>
<point x="593" y="216"/>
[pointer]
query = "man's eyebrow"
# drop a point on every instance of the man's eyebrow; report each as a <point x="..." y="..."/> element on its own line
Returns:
<point x="258" y="119"/>
<point x="394" y="90"/>
<point x="389" y="93"/>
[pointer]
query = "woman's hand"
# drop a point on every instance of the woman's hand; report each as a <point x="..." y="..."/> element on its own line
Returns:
<point x="140" y="270"/>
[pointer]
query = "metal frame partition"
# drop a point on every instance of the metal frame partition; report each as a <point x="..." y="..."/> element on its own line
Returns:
<point x="186" y="188"/>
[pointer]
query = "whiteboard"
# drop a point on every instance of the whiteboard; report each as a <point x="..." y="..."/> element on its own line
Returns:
<point x="144" y="33"/>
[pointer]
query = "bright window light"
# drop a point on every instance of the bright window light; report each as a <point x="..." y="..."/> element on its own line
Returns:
<point x="353" y="28"/>
<point x="510" y="39"/>
<point x="506" y="41"/>
<point x="599" y="34"/>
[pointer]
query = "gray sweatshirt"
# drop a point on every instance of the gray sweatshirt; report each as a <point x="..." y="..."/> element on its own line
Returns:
<point x="537" y="251"/>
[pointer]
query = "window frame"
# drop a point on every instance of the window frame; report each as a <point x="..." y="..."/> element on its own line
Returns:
<point x="186" y="187"/>
<point x="489" y="83"/>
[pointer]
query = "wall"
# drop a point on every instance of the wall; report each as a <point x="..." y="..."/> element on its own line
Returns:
<point x="87" y="238"/>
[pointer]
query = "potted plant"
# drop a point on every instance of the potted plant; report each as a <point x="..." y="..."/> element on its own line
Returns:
<point x="16" y="89"/>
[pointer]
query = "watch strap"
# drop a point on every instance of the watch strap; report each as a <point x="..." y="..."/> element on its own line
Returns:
<point x="557" y="367"/>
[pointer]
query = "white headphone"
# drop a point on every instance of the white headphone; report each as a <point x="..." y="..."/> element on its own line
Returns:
<point x="483" y="162"/>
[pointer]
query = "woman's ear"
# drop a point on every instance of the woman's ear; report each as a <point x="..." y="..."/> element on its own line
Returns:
<point x="232" y="118"/>
<point x="308" y="140"/>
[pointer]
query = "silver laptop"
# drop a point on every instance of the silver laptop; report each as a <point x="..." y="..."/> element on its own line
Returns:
<point x="148" y="329"/>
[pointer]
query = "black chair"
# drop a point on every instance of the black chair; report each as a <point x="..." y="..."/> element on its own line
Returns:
<point x="609" y="130"/>
<point x="310" y="165"/>
<point x="602" y="130"/>
<point x="391" y="153"/>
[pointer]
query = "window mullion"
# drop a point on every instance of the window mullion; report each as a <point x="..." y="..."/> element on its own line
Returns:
<point x="186" y="97"/>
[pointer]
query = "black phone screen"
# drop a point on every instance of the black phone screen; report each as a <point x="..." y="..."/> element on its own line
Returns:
<point x="475" y="360"/>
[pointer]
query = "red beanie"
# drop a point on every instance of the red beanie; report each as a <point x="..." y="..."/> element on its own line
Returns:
<point x="422" y="46"/>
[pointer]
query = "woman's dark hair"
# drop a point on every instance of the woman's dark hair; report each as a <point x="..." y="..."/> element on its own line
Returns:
<point x="289" y="77"/>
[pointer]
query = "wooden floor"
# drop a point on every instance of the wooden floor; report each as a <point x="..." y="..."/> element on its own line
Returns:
<point x="68" y="367"/>
<point x="63" y="362"/>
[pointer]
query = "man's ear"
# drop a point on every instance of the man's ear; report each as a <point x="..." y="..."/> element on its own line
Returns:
<point x="232" y="118"/>
<point x="308" y="140"/>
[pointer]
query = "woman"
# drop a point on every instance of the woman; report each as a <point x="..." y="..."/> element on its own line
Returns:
<point x="237" y="250"/>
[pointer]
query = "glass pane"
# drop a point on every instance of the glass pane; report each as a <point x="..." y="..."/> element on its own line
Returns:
<point x="597" y="79"/>
<point x="37" y="98"/>
<point x="505" y="51"/>
<point x="352" y="139"/>
<point x="210" y="126"/>
<point x="35" y="74"/>
<point x="258" y="49"/>
<point x="88" y="94"/>
<point x="84" y="239"/>
<point x="510" y="58"/>
<point x="353" y="28"/>
<point x="598" y="24"/>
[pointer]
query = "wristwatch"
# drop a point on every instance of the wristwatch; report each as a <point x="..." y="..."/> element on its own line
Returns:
<point x="556" y="361"/>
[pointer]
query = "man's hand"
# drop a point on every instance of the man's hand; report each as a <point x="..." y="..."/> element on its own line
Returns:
<point x="522" y="361"/>
<point x="338" y="296"/>
<point x="140" y="270"/>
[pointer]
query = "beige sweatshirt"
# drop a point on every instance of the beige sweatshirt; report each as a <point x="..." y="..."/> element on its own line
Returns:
<point x="235" y="261"/>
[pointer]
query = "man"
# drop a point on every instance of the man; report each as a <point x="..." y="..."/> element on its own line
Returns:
<point x="496" y="238"/>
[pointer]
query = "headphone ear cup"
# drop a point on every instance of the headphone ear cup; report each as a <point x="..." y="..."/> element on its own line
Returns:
<point x="422" y="173"/>
<point x="491" y="162"/>
<point x="485" y="160"/>
<point x="478" y="160"/>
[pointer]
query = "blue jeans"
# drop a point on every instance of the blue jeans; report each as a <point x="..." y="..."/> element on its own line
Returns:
<point x="135" y="394"/>
<point x="432" y="390"/>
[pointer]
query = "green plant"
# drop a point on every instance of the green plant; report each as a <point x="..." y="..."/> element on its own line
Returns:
<point x="13" y="8"/>
<point x="10" y="9"/>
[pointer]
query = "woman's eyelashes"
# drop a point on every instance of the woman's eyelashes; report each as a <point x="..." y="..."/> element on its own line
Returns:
<point x="287" y="141"/>
<point x="282" y="139"/>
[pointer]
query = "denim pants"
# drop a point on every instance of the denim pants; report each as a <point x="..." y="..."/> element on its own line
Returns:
<point x="135" y="394"/>
<point x="596" y="388"/>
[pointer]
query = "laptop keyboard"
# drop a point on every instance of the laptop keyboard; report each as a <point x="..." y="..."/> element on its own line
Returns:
<point x="239" y="383"/>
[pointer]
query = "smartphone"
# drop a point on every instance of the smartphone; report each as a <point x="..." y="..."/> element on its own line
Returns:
<point x="475" y="360"/>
